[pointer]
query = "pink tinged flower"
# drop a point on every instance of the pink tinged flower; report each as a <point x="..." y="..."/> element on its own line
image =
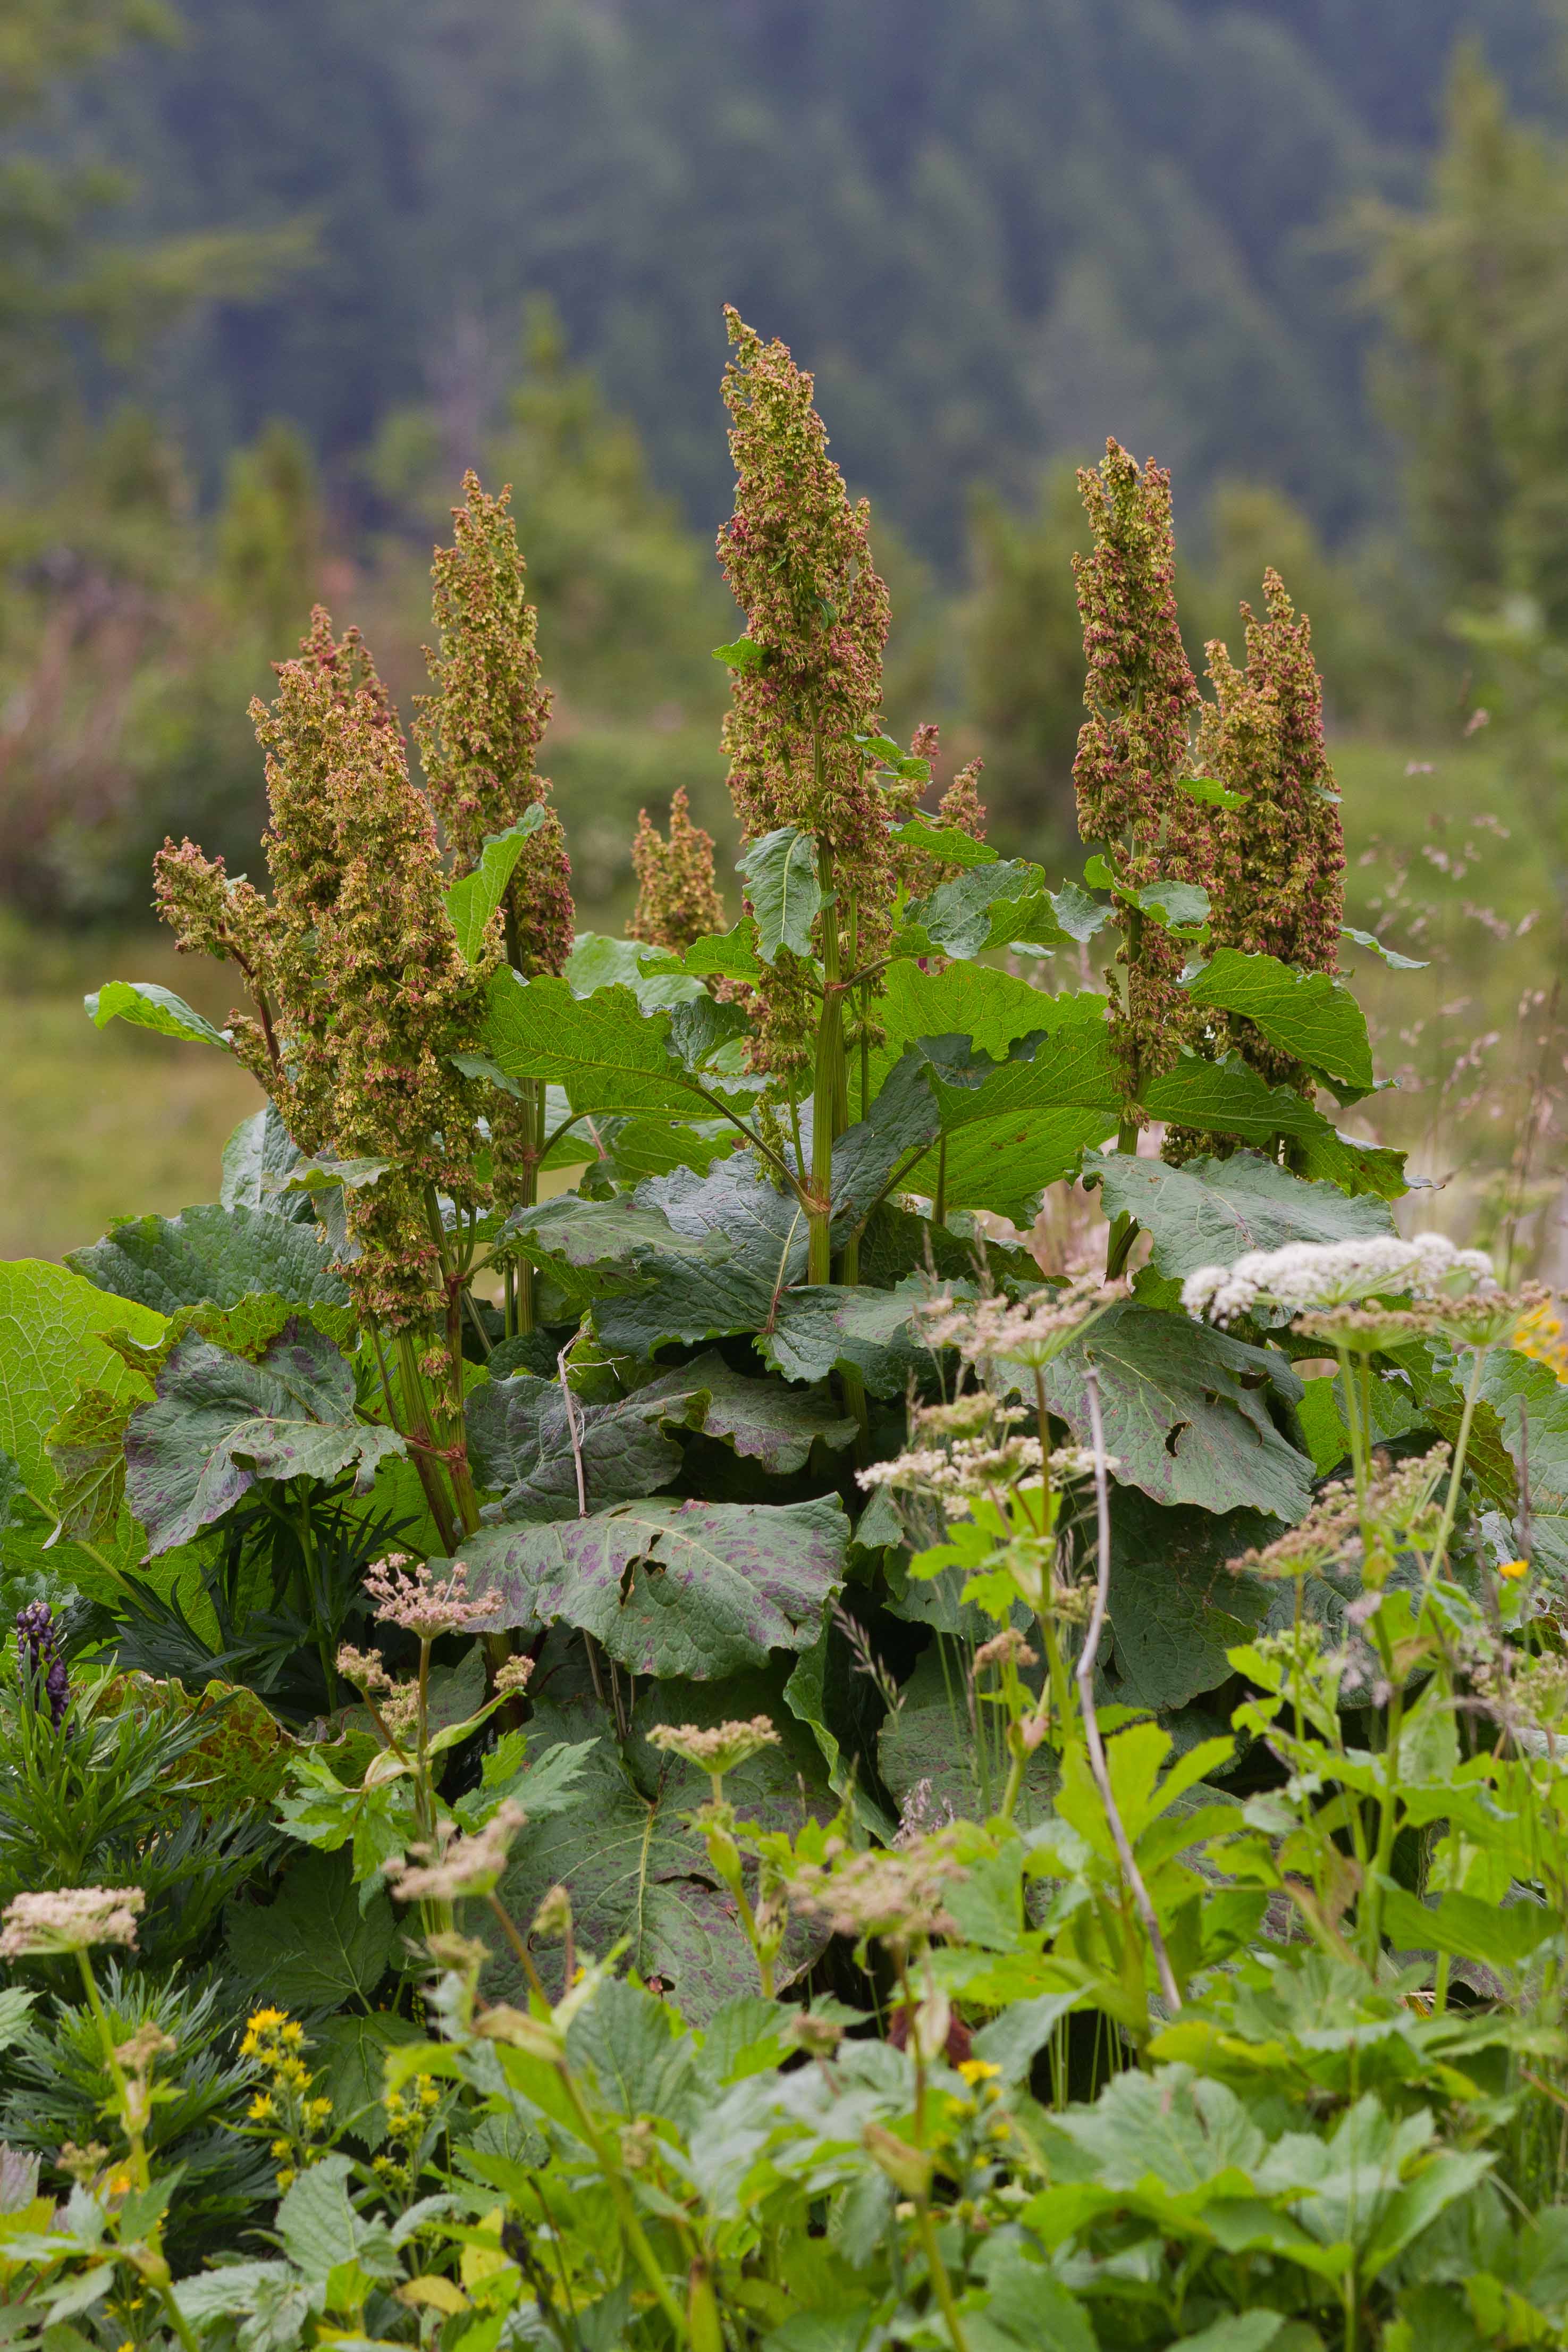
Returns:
<point x="69" y="1919"/>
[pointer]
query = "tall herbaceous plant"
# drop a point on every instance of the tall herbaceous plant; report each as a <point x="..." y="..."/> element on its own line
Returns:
<point x="719" y="1569"/>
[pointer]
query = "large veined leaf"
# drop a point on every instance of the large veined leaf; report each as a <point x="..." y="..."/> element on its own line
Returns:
<point x="641" y="1875"/>
<point x="991" y="1007"/>
<point x="786" y="897"/>
<point x="631" y="1149"/>
<point x="217" y="1255"/>
<point x="736" y="1244"/>
<point x="51" y="1322"/>
<point x="991" y="905"/>
<point x="1212" y="1211"/>
<point x="729" y="955"/>
<point x="216" y="1424"/>
<point x="604" y="1049"/>
<point x="947" y="842"/>
<point x="1175" y="1607"/>
<point x="672" y="1588"/>
<point x="844" y="1327"/>
<point x="1310" y="1015"/>
<point x="259" y="1158"/>
<point x="1185" y="1412"/>
<point x="472" y="901"/>
<point x="520" y="1439"/>
<point x="147" y="1006"/>
<point x="1000" y="1131"/>
<point x="1228" y="1098"/>
<point x="315" y="1946"/>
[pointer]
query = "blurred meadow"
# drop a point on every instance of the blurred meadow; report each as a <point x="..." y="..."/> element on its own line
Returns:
<point x="249" y="343"/>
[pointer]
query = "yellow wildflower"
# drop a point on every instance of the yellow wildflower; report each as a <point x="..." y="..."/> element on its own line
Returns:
<point x="978" y="2070"/>
<point x="1513" y="1569"/>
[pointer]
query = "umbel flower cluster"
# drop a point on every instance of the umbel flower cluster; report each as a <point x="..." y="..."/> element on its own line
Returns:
<point x="1307" y="1275"/>
<point x="363" y="996"/>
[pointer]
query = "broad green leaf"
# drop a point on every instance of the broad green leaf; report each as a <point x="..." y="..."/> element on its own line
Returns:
<point x="217" y="1255"/>
<point x="313" y="1947"/>
<point x="929" y="1756"/>
<point x="348" y="2053"/>
<point x="642" y="1875"/>
<point x="50" y="1323"/>
<point x="1175" y="1607"/>
<point x="328" y="1175"/>
<point x="1207" y="788"/>
<point x="472" y="901"/>
<point x="734" y="1246"/>
<point x="728" y="955"/>
<point x="217" y="1423"/>
<point x="87" y="1448"/>
<point x="947" y="842"/>
<point x="991" y="1007"/>
<point x="1180" y="905"/>
<point x="668" y="1587"/>
<point x="147" y="1006"/>
<point x="604" y="1049"/>
<point x="632" y="1149"/>
<point x="1169" y="2126"/>
<point x="745" y="654"/>
<point x="654" y="977"/>
<point x="1228" y="1098"/>
<point x="520" y="1439"/>
<point x="989" y="907"/>
<point x="1395" y="1413"/>
<point x="1185" y="1412"/>
<point x="1309" y="1014"/>
<point x="317" y="2225"/>
<point x="1211" y="1211"/>
<point x="781" y="883"/>
<point x="1250" y="2331"/>
<point x="843" y="1327"/>
<point x="765" y="1421"/>
<point x="1391" y="956"/>
<point x="260" y="1149"/>
<point x="1500" y="1935"/>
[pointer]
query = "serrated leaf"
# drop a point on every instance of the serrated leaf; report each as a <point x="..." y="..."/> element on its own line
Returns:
<point x="1309" y="1014"/>
<point x="147" y="1006"/>
<point x="989" y="907"/>
<point x="473" y="899"/>
<point x="50" y="1320"/>
<point x="672" y="1588"/>
<point x="218" y="1423"/>
<point x="781" y="883"/>
<point x="745" y="654"/>
<point x="1211" y="1211"/>
<point x="843" y="1327"/>
<point x="728" y="955"/>
<point x="350" y="2055"/>
<point x="86" y="1449"/>
<point x="1180" y="905"/>
<point x="642" y="1875"/>
<point x="991" y="1007"/>
<point x="261" y="1147"/>
<point x="1210" y="790"/>
<point x="313" y="1947"/>
<point x="217" y="1255"/>
<point x="947" y="842"/>
<point x="317" y="2225"/>
<point x="606" y="1052"/>
<point x="1185" y="1412"/>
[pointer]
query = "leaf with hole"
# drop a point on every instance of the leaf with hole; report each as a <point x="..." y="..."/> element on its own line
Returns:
<point x="1185" y="1412"/>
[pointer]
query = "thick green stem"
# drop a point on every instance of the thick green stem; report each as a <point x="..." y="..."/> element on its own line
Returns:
<point x="416" y="1413"/>
<point x="828" y="1084"/>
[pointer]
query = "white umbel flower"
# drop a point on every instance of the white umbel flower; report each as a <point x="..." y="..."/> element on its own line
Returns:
<point x="1316" y="1274"/>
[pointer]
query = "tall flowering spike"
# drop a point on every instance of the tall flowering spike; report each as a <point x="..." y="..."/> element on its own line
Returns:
<point x="678" y="897"/>
<point x="797" y="557"/>
<point x="403" y="1000"/>
<point x="210" y="914"/>
<point x="479" y="729"/>
<point x="1132" y="746"/>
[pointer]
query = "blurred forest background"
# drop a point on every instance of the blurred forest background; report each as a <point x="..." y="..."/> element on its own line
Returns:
<point x="272" y="272"/>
